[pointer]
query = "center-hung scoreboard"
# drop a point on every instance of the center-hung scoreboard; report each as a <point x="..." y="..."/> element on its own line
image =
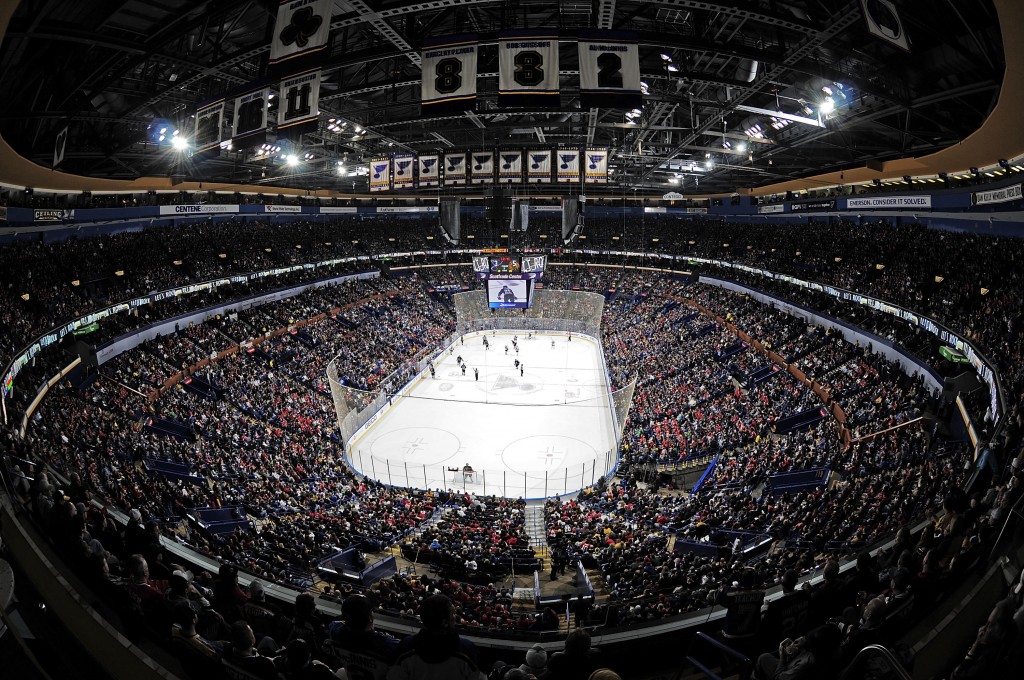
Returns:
<point x="511" y="277"/>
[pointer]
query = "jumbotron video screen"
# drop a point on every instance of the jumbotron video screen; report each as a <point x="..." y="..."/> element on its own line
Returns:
<point x="511" y="278"/>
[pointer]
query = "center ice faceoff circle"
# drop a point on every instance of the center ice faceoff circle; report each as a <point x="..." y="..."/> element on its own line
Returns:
<point x="419" y="445"/>
<point x="546" y="452"/>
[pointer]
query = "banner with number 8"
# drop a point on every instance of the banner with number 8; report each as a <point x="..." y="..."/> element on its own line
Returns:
<point x="449" y="75"/>
<point x="528" y="69"/>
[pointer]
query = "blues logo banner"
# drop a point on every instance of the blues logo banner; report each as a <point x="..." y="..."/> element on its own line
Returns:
<point x="403" y="166"/>
<point x="300" y="100"/>
<point x="510" y="166"/>
<point x="249" y="125"/>
<point x="567" y="163"/>
<point x="528" y="69"/>
<point x="481" y="167"/>
<point x="380" y="174"/>
<point x="454" y="169"/>
<point x="209" y="123"/>
<point x="300" y="34"/>
<point x="538" y="165"/>
<point x="429" y="165"/>
<point x="609" y="70"/>
<point x="595" y="165"/>
<point x="449" y="75"/>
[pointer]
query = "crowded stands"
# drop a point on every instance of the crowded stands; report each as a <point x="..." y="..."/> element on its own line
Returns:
<point x="250" y="436"/>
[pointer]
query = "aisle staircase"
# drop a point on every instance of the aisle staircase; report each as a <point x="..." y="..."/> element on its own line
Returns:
<point x="537" y="530"/>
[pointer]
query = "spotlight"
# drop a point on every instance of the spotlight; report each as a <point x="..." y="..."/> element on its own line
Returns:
<point x="179" y="143"/>
<point x="291" y="160"/>
<point x="827" y="106"/>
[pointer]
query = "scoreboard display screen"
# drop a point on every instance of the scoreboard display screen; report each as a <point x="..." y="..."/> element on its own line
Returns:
<point x="505" y="264"/>
<point x="509" y="293"/>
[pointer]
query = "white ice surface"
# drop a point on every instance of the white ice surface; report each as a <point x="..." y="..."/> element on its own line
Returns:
<point x="532" y="433"/>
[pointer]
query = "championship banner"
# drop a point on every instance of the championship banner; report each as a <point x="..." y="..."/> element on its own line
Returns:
<point x="568" y="160"/>
<point x="404" y="165"/>
<point x="429" y="165"/>
<point x="609" y="70"/>
<point x="380" y="174"/>
<point x="538" y="165"/>
<point x="249" y="125"/>
<point x="300" y="33"/>
<point x="454" y="169"/>
<point x="528" y="68"/>
<point x="209" y="122"/>
<point x="1004" y="195"/>
<point x="300" y="101"/>
<point x="482" y="168"/>
<point x="881" y="202"/>
<point x="596" y="169"/>
<point x="58" y="146"/>
<point x="510" y="166"/>
<point x="449" y="75"/>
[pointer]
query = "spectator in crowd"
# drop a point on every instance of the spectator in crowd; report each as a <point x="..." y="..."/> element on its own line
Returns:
<point x="242" y="653"/>
<point x="436" y="652"/>
<point x="355" y="643"/>
<point x="297" y="663"/>
<point x="577" y="660"/>
<point x="810" y="657"/>
<point x="994" y="639"/>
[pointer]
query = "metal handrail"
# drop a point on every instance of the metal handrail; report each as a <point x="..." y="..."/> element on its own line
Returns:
<point x="875" y="651"/>
<point x="742" y="660"/>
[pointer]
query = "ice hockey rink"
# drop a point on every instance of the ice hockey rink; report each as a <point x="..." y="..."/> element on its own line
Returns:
<point x="540" y="429"/>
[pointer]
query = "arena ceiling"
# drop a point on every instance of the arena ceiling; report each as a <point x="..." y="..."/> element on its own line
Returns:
<point x="714" y="74"/>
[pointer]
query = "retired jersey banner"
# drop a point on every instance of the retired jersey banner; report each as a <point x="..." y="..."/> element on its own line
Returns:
<point x="404" y="165"/>
<point x="300" y="100"/>
<point x="528" y="68"/>
<point x="568" y="164"/>
<point x="249" y="126"/>
<point x="482" y="167"/>
<point x="538" y="165"/>
<point x="595" y="168"/>
<point x="300" y="33"/>
<point x="609" y="70"/>
<point x="380" y="174"/>
<point x="429" y="165"/>
<point x="454" y="169"/>
<point x="449" y="74"/>
<point x="209" y="123"/>
<point x="510" y="166"/>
